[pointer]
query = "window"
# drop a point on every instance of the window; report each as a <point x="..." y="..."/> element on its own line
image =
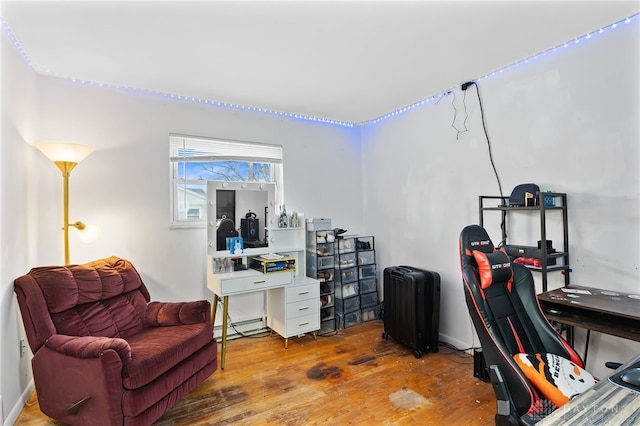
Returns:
<point x="195" y="160"/>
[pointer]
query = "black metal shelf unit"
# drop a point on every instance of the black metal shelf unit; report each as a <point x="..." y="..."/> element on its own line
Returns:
<point x="550" y="202"/>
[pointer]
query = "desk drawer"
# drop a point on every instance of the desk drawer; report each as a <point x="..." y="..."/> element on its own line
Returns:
<point x="302" y="292"/>
<point x="245" y="281"/>
<point x="303" y="324"/>
<point x="303" y="307"/>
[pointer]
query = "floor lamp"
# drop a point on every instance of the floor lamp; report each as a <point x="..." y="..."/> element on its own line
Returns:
<point x="66" y="156"/>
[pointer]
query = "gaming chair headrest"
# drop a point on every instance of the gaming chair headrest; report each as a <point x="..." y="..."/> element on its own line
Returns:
<point x="473" y="237"/>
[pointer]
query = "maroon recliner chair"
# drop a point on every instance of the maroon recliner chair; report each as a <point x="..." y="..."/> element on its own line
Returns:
<point x="102" y="353"/>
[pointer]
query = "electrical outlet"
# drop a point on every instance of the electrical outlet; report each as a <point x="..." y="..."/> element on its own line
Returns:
<point x="23" y="347"/>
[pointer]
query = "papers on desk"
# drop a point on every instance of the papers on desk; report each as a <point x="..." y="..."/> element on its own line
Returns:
<point x="271" y="256"/>
<point x="575" y="291"/>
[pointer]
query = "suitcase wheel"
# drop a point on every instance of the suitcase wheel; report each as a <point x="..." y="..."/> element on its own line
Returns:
<point x="385" y="335"/>
<point x="417" y="353"/>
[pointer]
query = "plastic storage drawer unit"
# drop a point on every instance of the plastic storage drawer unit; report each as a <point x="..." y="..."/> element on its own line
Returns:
<point x="369" y="314"/>
<point x="327" y="326"/>
<point x="325" y="262"/>
<point x="349" y="319"/>
<point x="343" y="291"/>
<point x="318" y="224"/>
<point x="347" y="276"/>
<point x="346" y="245"/>
<point x="347" y="260"/>
<point x="349" y="304"/>
<point x="368" y="300"/>
<point x="327" y="314"/>
<point x="368" y="285"/>
<point x="326" y="287"/>
<point x="368" y="271"/>
<point x="366" y="257"/>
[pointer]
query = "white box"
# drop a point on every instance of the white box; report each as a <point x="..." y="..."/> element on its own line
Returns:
<point x="318" y="224"/>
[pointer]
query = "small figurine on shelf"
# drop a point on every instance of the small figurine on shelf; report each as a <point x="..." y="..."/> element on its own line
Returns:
<point x="294" y="220"/>
<point x="283" y="222"/>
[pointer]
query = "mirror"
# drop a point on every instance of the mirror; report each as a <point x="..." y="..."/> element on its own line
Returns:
<point x="244" y="207"/>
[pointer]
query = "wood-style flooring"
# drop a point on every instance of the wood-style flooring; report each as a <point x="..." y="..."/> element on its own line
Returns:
<point x="354" y="377"/>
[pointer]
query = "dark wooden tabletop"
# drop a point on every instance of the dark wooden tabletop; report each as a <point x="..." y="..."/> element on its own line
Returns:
<point x="602" y="301"/>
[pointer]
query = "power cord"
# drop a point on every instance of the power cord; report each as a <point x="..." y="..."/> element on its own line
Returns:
<point x="461" y="353"/>
<point x="464" y="88"/>
<point x="455" y="114"/>
<point x="230" y="322"/>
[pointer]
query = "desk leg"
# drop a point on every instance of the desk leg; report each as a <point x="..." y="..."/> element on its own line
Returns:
<point x="586" y="347"/>
<point x="213" y="309"/>
<point x="225" y="309"/>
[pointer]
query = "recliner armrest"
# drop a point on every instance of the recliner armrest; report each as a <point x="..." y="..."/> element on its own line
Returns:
<point x="88" y="346"/>
<point x="177" y="313"/>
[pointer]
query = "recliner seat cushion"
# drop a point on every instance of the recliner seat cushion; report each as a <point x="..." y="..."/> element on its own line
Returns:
<point x="158" y="349"/>
<point x="137" y="401"/>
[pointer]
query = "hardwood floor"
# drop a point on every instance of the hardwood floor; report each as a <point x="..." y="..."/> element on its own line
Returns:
<point x="352" y="378"/>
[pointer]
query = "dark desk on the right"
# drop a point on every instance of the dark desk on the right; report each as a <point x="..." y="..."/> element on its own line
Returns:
<point x="606" y="311"/>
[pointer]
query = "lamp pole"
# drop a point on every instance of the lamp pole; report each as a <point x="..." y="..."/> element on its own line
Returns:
<point x="65" y="167"/>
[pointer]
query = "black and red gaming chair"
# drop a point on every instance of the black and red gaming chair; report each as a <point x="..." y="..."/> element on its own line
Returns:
<point x="508" y="320"/>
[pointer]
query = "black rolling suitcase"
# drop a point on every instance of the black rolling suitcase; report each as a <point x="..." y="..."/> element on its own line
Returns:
<point x="412" y="307"/>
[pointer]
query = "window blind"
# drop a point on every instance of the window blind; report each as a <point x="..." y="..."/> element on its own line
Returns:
<point x="195" y="149"/>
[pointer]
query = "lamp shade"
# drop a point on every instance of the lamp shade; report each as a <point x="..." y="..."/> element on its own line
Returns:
<point x="64" y="151"/>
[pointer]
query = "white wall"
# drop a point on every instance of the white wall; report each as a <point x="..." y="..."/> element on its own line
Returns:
<point x="568" y="122"/>
<point x="17" y="220"/>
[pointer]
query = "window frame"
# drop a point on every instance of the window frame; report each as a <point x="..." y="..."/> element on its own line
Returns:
<point x="210" y="150"/>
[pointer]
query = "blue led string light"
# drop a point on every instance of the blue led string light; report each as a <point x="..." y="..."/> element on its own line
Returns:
<point x="209" y="102"/>
<point x="171" y="96"/>
<point x="213" y="103"/>
<point x="501" y="70"/>
<point x="16" y="44"/>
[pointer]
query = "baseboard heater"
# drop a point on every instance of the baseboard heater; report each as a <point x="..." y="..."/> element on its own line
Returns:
<point x="247" y="327"/>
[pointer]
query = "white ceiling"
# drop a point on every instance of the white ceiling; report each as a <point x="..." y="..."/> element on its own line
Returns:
<point x="350" y="61"/>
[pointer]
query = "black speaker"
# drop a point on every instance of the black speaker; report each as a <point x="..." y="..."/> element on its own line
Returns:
<point x="250" y="229"/>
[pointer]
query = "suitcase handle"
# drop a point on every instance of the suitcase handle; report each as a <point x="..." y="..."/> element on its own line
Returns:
<point x="399" y="271"/>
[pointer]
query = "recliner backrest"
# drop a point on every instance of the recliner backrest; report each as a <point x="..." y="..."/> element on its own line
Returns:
<point x="104" y="298"/>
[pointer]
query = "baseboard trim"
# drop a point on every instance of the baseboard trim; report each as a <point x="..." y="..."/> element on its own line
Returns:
<point x="456" y="343"/>
<point x="19" y="406"/>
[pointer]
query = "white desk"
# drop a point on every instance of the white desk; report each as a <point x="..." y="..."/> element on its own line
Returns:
<point x="293" y="301"/>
